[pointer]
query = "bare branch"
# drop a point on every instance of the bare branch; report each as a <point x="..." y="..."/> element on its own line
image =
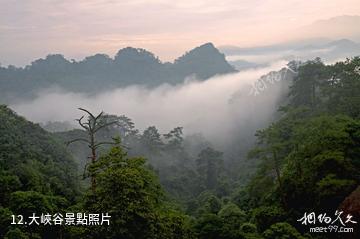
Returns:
<point x="105" y="125"/>
<point x="110" y="143"/>
<point x="101" y="143"/>
<point x="91" y="126"/>
<point x="81" y="123"/>
<point x="88" y="112"/>
<point x="99" y="115"/>
<point x="76" y="140"/>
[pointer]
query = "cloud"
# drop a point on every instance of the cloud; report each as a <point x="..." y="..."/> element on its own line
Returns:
<point x="208" y="107"/>
<point x="168" y="28"/>
<point x="336" y="28"/>
<point x="263" y="58"/>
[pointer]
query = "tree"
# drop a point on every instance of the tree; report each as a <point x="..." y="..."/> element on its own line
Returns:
<point x="175" y="139"/>
<point x="151" y="140"/>
<point x="209" y="164"/>
<point x="305" y="89"/>
<point x="282" y="230"/>
<point x="132" y="195"/>
<point x="37" y="175"/>
<point x="232" y="217"/>
<point x="209" y="226"/>
<point x="342" y="88"/>
<point x="123" y="126"/>
<point x="265" y="216"/>
<point x="92" y="125"/>
<point x="270" y="150"/>
<point x="16" y="233"/>
<point x="209" y="203"/>
<point x="327" y="148"/>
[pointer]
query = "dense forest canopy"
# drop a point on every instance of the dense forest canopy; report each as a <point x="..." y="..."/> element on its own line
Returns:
<point x="157" y="185"/>
<point x="37" y="174"/>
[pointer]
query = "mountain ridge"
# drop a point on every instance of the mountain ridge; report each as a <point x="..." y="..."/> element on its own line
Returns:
<point x="99" y="72"/>
<point x="119" y="54"/>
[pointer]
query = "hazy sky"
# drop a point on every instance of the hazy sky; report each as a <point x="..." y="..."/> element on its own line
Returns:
<point x="31" y="29"/>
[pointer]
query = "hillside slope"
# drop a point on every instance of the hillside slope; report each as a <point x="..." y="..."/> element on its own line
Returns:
<point x="37" y="175"/>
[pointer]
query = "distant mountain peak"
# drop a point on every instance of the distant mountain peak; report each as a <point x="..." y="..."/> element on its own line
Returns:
<point x="342" y="42"/>
<point x="206" y="60"/>
<point x="209" y="45"/>
<point x="207" y="48"/>
<point x="339" y="19"/>
<point x="53" y="58"/>
<point x="135" y="54"/>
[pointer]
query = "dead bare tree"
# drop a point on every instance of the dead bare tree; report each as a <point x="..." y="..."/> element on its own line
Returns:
<point x="92" y="125"/>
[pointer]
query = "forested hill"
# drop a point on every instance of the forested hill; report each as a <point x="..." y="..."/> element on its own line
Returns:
<point x="36" y="173"/>
<point x="100" y="72"/>
<point x="307" y="164"/>
<point x="309" y="158"/>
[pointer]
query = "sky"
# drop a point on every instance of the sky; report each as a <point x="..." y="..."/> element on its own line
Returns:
<point x="32" y="29"/>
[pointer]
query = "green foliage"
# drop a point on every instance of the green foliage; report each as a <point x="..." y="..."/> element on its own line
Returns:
<point x="5" y="221"/>
<point x="209" y="226"/>
<point x="35" y="157"/>
<point x="37" y="175"/>
<point x="232" y="217"/>
<point x="265" y="216"/>
<point x="282" y="230"/>
<point x="9" y="183"/>
<point x="331" y="190"/>
<point x="151" y="139"/>
<point x="304" y="91"/>
<point x="175" y="139"/>
<point x="29" y="202"/>
<point x="309" y="157"/>
<point x="342" y="90"/>
<point x="308" y="160"/>
<point x="209" y="203"/>
<point x="248" y="228"/>
<point x="16" y="234"/>
<point x="131" y="194"/>
<point x="210" y="165"/>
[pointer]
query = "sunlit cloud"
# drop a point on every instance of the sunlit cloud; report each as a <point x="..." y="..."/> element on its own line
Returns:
<point x="79" y="28"/>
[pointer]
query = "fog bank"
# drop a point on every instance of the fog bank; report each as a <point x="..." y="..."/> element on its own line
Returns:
<point x="215" y="107"/>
